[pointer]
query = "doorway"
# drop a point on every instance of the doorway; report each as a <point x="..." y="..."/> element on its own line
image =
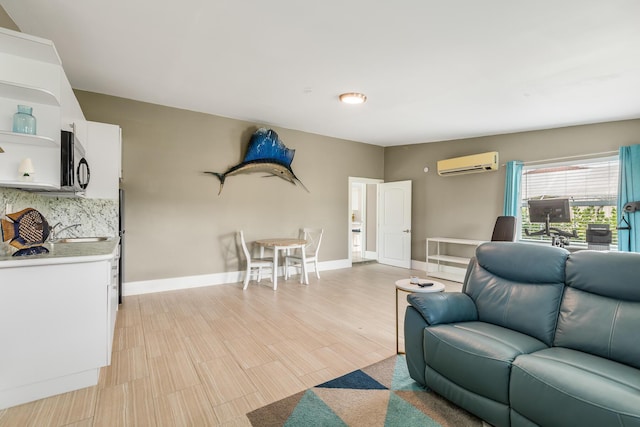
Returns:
<point x="363" y="214"/>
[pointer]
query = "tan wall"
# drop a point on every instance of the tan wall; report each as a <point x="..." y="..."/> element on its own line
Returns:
<point x="6" y="21"/>
<point x="176" y="223"/>
<point x="466" y="206"/>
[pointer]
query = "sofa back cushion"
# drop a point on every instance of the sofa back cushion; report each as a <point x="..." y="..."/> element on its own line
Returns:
<point x="600" y="310"/>
<point x="518" y="286"/>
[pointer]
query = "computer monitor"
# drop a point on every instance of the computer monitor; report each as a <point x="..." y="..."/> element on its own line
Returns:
<point x="551" y="210"/>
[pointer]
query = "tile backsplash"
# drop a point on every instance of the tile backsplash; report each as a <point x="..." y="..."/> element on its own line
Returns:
<point x="97" y="217"/>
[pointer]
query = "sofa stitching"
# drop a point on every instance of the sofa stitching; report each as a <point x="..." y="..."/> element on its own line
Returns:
<point x="611" y="332"/>
<point x="574" y="397"/>
<point x="505" y="319"/>
<point x="575" y="365"/>
<point x="507" y="343"/>
<point x="466" y="350"/>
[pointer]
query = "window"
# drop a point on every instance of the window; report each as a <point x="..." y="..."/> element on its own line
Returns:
<point x="590" y="185"/>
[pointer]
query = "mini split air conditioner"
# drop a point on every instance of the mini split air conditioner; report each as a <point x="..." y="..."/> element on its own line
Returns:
<point x="483" y="162"/>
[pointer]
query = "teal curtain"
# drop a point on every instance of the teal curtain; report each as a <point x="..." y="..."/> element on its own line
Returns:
<point x="629" y="191"/>
<point x="512" y="188"/>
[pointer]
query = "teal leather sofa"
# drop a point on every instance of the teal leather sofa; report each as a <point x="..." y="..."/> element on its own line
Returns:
<point x="538" y="336"/>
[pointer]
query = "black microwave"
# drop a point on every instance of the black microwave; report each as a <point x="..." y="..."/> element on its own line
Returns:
<point x="74" y="168"/>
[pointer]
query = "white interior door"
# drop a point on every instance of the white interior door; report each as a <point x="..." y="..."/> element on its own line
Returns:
<point x="394" y="231"/>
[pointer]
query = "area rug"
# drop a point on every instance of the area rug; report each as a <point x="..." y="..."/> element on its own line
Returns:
<point x="382" y="394"/>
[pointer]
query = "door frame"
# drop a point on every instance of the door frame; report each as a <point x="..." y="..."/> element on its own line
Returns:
<point x="354" y="179"/>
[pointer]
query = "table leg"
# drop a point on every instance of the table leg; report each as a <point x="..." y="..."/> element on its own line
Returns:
<point x="397" y="339"/>
<point x="304" y="267"/>
<point x="275" y="267"/>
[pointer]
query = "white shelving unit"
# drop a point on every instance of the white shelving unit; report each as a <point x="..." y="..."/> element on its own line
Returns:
<point x="31" y="74"/>
<point x="444" y="266"/>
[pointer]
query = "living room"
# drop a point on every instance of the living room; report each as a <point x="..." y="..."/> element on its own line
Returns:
<point x="177" y="224"/>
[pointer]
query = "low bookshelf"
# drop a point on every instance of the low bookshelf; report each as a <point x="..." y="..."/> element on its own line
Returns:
<point x="448" y="258"/>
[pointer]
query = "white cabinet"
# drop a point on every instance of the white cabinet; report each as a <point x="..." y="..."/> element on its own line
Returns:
<point x="104" y="149"/>
<point x="31" y="74"/>
<point x="112" y="304"/>
<point x="443" y="264"/>
<point x="56" y="328"/>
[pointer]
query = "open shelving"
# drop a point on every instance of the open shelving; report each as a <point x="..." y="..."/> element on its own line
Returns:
<point x="441" y="264"/>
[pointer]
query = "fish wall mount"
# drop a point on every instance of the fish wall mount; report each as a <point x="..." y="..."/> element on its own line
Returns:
<point x="266" y="153"/>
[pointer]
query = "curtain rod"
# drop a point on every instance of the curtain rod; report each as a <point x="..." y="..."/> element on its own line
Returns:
<point x="580" y="156"/>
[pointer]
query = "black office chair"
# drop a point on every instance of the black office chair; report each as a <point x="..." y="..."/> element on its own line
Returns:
<point x="505" y="229"/>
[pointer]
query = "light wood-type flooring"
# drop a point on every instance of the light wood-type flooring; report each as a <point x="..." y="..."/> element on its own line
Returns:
<point x="207" y="356"/>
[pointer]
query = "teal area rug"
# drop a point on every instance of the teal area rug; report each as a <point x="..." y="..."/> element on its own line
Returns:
<point x="382" y="394"/>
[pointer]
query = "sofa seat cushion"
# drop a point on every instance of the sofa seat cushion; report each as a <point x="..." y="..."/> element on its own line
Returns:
<point x="476" y="355"/>
<point x="575" y="388"/>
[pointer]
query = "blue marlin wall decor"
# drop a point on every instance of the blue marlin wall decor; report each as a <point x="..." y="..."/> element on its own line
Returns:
<point x="265" y="153"/>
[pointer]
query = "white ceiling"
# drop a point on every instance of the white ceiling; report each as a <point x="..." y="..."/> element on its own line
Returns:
<point x="432" y="69"/>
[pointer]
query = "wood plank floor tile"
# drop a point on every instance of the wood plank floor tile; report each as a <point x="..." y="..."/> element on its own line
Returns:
<point x="229" y="328"/>
<point x="18" y="415"/>
<point x="126" y="365"/>
<point x="247" y="354"/>
<point x="297" y="358"/>
<point x="205" y="347"/>
<point x="232" y="411"/>
<point x="207" y="356"/>
<point x="194" y="324"/>
<point x="62" y="409"/>
<point x="186" y="408"/>
<point x="83" y="423"/>
<point x="275" y="380"/>
<point x="171" y="373"/>
<point x="224" y="380"/>
<point x="162" y="321"/>
<point x="141" y="410"/>
<point x="163" y="342"/>
<point x="128" y="337"/>
<point x="111" y="407"/>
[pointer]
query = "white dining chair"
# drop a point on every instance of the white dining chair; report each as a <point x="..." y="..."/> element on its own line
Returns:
<point x="313" y="236"/>
<point x="254" y="265"/>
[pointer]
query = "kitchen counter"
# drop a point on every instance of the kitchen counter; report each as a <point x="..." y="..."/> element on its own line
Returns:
<point x="65" y="253"/>
<point x="57" y="319"/>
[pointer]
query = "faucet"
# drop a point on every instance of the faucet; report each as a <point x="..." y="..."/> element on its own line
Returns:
<point x="53" y="234"/>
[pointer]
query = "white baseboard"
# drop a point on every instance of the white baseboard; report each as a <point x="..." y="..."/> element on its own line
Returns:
<point x="418" y="265"/>
<point x="447" y="272"/>
<point x="40" y="390"/>
<point x="370" y="255"/>
<point x="187" y="282"/>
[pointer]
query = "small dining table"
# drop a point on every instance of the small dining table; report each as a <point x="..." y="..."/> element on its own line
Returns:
<point x="279" y="244"/>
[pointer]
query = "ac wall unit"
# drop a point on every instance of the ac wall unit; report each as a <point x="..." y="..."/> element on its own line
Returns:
<point x="475" y="163"/>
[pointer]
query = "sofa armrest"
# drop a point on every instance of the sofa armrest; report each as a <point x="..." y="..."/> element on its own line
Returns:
<point x="444" y="307"/>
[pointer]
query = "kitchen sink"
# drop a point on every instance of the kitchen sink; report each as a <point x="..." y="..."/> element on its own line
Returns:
<point x="81" y="239"/>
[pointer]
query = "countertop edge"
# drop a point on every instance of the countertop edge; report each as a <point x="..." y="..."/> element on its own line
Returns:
<point x="74" y="253"/>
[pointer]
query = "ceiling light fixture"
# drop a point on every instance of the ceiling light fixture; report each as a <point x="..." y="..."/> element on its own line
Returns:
<point x="353" y="98"/>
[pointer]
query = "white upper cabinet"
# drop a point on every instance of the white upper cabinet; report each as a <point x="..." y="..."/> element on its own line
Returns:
<point x="103" y="151"/>
<point x="30" y="74"/>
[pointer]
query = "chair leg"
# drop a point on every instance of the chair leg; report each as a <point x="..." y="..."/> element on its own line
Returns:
<point x="315" y="264"/>
<point x="303" y="272"/>
<point x="247" y="275"/>
<point x="259" y="274"/>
